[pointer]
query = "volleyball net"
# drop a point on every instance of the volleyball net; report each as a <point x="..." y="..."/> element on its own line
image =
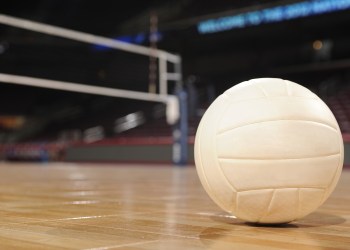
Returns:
<point x="168" y="70"/>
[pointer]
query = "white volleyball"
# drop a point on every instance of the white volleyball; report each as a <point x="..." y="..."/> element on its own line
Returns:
<point x="269" y="151"/>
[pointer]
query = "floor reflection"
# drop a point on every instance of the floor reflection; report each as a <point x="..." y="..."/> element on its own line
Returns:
<point x="307" y="233"/>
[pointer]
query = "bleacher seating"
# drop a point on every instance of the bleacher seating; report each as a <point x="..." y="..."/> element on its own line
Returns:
<point x="340" y="106"/>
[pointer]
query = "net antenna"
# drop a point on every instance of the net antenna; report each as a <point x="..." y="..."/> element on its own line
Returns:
<point x="171" y="101"/>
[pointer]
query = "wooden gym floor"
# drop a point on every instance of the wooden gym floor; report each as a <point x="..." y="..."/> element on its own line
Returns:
<point x="91" y="206"/>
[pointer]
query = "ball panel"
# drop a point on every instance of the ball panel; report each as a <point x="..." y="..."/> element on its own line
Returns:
<point x="261" y="110"/>
<point x="309" y="200"/>
<point x="271" y="87"/>
<point x="198" y="161"/>
<point x="263" y="174"/>
<point x="336" y="176"/>
<point x="283" y="206"/>
<point x="268" y="87"/>
<point x="285" y="139"/>
<point x="252" y="205"/>
<point x="277" y="205"/>
<point x="207" y="165"/>
<point x="243" y="92"/>
<point x="299" y="90"/>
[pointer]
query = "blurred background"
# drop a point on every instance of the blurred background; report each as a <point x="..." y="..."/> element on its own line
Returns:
<point x="221" y="43"/>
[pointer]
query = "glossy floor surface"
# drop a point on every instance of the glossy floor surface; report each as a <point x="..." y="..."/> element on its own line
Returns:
<point x="71" y="206"/>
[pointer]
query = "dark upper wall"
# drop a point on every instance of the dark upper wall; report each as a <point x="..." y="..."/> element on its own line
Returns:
<point x="222" y="59"/>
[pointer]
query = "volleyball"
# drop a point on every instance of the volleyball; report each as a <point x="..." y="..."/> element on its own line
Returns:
<point x="268" y="150"/>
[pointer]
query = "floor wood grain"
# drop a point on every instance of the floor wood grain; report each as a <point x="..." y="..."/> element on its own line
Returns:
<point x="134" y="207"/>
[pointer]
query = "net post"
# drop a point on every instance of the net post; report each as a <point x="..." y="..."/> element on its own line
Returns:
<point x="163" y="79"/>
<point x="180" y="131"/>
